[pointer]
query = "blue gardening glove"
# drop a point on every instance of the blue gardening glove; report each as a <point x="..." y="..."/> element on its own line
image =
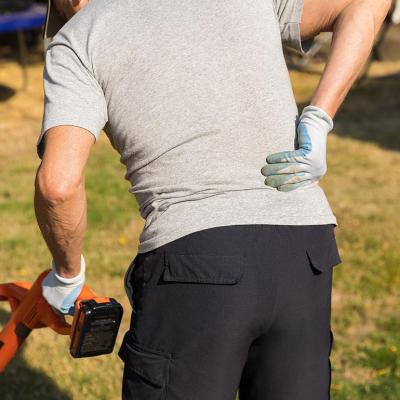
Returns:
<point x="290" y="170"/>
<point x="60" y="292"/>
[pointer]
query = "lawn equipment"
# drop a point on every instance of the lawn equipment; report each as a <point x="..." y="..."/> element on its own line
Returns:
<point x="94" y="327"/>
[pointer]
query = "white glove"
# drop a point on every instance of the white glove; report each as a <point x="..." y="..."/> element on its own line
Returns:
<point x="289" y="170"/>
<point x="60" y="292"/>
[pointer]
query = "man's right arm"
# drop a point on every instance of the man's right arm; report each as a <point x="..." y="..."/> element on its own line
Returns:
<point x="354" y="24"/>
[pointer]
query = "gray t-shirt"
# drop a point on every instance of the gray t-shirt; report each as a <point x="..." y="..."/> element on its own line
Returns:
<point x="193" y="95"/>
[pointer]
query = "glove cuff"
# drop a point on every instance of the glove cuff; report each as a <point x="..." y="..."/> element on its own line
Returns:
<point x="316" y="113"/>
<point x="75" y="280"/>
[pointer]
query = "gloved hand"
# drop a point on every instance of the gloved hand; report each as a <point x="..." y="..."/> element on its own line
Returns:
<point x="290" y="170"/>
<point x="60" y="292"/>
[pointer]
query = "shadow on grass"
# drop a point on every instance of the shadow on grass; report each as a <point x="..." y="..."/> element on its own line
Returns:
<point x="371" y="112"/>
<point x="21" y="382"/>
<point x="6" y="92"/>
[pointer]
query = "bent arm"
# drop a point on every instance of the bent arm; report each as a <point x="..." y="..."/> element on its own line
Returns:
<point x="60" y="197"/>
<point x="354" y="24"/>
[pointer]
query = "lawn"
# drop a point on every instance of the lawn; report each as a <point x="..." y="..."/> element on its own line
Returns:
<point x="362" y="185"/>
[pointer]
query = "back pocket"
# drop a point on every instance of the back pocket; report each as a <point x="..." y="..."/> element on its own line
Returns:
<point x="146" y="371"/>
<point x="321" y="247"/>
<point x="202" y="268"/>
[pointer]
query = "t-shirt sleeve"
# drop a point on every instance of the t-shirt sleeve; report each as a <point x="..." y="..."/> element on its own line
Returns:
<point x="72" y="95"/>
<point x="289" y="14"/>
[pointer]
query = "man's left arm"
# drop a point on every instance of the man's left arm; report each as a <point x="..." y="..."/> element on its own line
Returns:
<point x="60" y="197"/>
<point x="354" y="24"/>
<point x="75" y="112"/>
<point x="60" y="207"/>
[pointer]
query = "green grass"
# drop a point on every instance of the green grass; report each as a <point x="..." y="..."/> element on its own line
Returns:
<point x="378" y="353"/>
<point x="362" y="186"/>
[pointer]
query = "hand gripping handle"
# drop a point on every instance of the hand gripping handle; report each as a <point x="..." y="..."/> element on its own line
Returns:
<point x="29" y="310"/>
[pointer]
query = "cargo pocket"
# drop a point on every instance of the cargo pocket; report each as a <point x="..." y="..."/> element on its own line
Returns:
<point x="321" y="247"/>
<point x="201" y="268"/>
<point x="146" y="371"/>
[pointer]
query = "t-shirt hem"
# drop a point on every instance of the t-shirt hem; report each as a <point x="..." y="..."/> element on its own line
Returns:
<point x="178" y="232"/>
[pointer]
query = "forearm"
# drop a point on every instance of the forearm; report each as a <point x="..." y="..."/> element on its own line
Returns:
<point x="354" y="31"/>
<point x="62" y="221"/>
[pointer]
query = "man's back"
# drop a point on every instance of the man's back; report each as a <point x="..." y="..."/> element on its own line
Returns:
<point x="193" y="96"/>
<point x="196" y="97"/>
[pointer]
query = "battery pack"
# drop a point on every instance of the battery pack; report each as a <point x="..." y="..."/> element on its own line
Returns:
<point x="95" y="327"/>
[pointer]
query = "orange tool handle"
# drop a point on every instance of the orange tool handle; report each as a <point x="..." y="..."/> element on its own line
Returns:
<point x="29" y="310"/>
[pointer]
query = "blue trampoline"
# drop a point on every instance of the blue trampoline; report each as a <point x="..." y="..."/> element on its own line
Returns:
<point x="32" y="18"/>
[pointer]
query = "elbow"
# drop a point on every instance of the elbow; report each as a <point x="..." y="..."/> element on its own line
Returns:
<point x="56" y="190"/>
<point x="379" y="8"/>
<point x="366" y="12"/>
<point x="382" y="5"/>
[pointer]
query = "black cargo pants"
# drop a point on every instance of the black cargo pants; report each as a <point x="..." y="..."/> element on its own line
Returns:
<point x="234" y="308"/>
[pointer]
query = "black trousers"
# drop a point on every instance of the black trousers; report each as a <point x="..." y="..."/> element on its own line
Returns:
<point x="234" y="308"/>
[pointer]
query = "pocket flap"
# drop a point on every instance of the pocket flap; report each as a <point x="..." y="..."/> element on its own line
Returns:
<point x="149" y="364"/>
<point x="201" y="268"/>
<point x="322" y="250"/>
